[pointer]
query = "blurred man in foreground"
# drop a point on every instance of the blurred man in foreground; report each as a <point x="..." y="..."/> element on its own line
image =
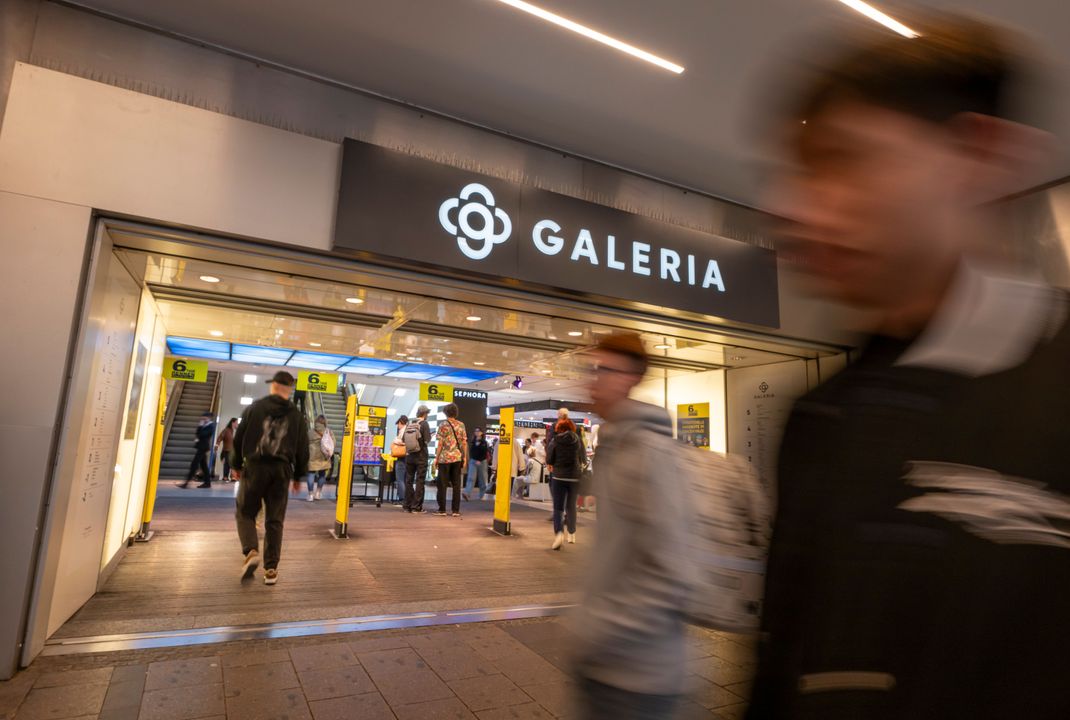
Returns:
<point x="920" y="564"/>
<point x="630" y="628"/>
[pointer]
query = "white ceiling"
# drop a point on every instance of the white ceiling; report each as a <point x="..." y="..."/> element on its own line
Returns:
<point x="492" y="65"/>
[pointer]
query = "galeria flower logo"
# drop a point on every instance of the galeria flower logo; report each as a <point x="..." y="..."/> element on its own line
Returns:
<point x="484" y="231"/>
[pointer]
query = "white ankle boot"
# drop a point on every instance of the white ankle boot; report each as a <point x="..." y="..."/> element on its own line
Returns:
<point x="559" y="540"/>
<point x="572" y="538"/>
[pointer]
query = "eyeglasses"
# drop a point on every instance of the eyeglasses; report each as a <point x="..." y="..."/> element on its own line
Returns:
<point x="607" y="370"/>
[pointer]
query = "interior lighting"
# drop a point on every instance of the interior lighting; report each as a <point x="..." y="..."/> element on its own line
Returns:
<point x="355" y="301"/>
<point x="518" y="382"/>
<point x="547" y="372"/>
<point x="877" y="16"/>
<point x="473" y="318"/>
<point x="215" y="333"/>
<point x="209" y="278"/>
<point x="315" y="344"/>
<point x="662" y="346"/>
<point x="478" y="362"/>
<point x="392" y="411"/>
<point x="593" y="35"/>
<point x="400" y="392"/>
<point x="250" y="379"/>
<point x="576" y="333"/>
<point x="246" y="401"/>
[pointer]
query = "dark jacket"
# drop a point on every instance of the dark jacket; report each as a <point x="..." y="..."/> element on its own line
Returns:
<point x="479" y="450"/>
<point x="564" y="455"/>
<point x="272" y="429"/>
<point x="205" y="433"/>
<point x="918" y="568"/>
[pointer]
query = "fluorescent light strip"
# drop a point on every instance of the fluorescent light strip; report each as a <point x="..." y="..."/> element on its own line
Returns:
<point x="877" y="16"/>
<point x="593" y="34"/>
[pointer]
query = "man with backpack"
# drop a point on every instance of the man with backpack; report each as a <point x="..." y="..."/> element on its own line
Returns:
<point x="417" y="437"/>
<point x="270" y="452"/>
<point x="630" y="650"/>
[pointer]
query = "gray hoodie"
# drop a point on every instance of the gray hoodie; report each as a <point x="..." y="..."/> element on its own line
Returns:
<point x="630" y="627"/>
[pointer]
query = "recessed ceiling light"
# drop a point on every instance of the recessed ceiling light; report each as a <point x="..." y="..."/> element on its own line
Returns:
<point x="576" y="333"/>
<point x="402" y="354"/>
<point x="250" y="378"/>
<point x="209" y="278"/>
<point x="473" y="318"/>
<point x="478" y="362"/>
<point x="400" y="392"/>
<point x="876" y="16"/>
<point x="662" y="346"/>
<point x="547" y="372"/>
<point x="246" y="401"/>
<point x="215" y="333"/>
<point x="355" y="300"/>
<point x="315" y="344"/>
<point x="593" y="34"/>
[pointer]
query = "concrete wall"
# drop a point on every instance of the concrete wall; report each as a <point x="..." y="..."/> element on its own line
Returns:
<point x="40" y="284"/>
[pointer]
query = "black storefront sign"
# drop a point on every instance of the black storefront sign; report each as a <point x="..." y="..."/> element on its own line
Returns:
<point x="400" y="206"/>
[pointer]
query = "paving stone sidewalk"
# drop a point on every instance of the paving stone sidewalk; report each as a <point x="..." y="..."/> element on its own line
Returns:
<point x="514" y="670"/>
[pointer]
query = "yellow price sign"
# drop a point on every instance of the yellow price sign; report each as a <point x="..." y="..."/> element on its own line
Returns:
<point x="187" y="370"/>
<point x="436" y="392"/>
<point x="317" y="381"/>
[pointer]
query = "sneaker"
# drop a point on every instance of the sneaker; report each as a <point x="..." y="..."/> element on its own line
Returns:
<point x="205" y="485"/>
<point x="182" y="485"/>
<point x="443" y="513"/>
<point x="319" y="493"/>
<point x="465" y="496"/>
<point x="559" y="540"/>
<point x="572" y="538"/>
<point x="311" y="497"/>
<point x="456" y="514"/>
<point x="271" y="576"/>
<point x="252" y="562"/>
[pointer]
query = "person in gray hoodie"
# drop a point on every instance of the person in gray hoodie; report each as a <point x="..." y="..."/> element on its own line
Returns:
<point x="630" y="651"/>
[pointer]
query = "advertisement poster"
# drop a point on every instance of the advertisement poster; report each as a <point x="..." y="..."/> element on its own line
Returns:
<point x="693" y="424"/>
<point x="369" y="435"/>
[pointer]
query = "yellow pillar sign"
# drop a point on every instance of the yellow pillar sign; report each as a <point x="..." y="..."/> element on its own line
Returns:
<point x="187" y="370"/>
<point x="503" y="493"/>
<point x="345" y="472"/>
<point x="436" y="392"/>
<point x="317" y="381"/>
<point x="144" y="534"/>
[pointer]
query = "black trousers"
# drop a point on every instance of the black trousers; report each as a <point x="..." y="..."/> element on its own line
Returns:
<point x="267" y="483"/>
<point x="564" y="495"/>
<point x="200" y="462"/>
<point x="449" y="475"/>
<point x="415" y="474"/>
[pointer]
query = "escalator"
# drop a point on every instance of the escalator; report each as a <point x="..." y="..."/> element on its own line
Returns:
<point x="193" y="400"/>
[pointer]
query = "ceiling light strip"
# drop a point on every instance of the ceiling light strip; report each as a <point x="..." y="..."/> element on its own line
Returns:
<point x="877" y="16"/>
<point x="593" y="35"/>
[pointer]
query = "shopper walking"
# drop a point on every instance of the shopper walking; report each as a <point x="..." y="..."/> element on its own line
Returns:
<point x="920" y="561"/>
<point x="451" y="456"/>
<point x="225" y="447"/>
<point x="399" y="461"/>
<point x="320" y="457"/>
<point x="202" y="446"/>
<point x="270" y="450"/>
<point x="565" y="457"/>
<point x="417" y="437"/>
<point x="478" y="458"/>
<point x="630" y="647"/>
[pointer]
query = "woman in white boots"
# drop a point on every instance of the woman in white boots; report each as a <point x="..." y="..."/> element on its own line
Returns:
<point x="565" y="456"/>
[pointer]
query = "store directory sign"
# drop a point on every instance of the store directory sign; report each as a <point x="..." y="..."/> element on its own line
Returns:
<point x="401" y="206"/>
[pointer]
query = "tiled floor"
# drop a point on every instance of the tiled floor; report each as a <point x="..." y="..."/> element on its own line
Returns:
<point x="513" y="670"/>
<point x="394" y="563"/>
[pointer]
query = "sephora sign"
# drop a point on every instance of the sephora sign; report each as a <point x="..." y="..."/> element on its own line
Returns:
<point x="395" y="205"/>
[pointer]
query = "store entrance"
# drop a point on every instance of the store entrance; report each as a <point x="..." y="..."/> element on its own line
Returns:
<point x="374" y="349"/>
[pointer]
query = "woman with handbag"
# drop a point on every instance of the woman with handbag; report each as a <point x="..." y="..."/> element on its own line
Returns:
<point x="320" y="456"/>
<point x="398" y="451"/>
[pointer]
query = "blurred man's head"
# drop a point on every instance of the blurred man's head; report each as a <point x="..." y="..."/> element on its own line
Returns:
<point x="562" y="413"/>
<point x="620" y="361"/>
<point x="892" y="148"/>
<point x="282" y="384"/>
